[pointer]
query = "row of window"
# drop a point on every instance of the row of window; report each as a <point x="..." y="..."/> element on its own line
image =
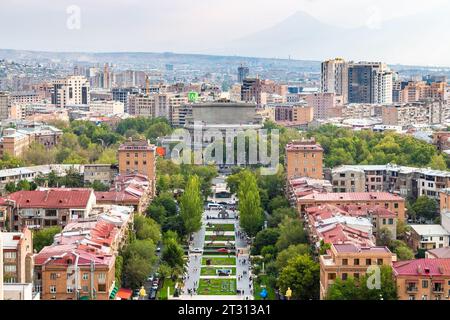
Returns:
<point x="356" y="262"/>
<point x="70" y="289"/>
<point x="85" y="276"/>
<point x="10" y="255"/>
<point x="137" y="154"/>
<point x="137" y="163"/>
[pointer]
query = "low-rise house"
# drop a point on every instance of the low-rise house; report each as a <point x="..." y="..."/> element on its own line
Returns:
<point x="350" y="260"/>
<point x="387" y="200"/>
<point x="48" y="207"/>
<point x="428" y="236"/>
<point x="128" y="190"/>
<point x="423" y="279"/>
<point x="104" y="173"/>
<point x="438" y="253"/>
<point x="74" y="272"/>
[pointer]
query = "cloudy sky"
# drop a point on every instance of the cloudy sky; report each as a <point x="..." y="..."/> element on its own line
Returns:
<point x="196" y="26"/>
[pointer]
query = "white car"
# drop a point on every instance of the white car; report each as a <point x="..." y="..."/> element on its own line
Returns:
<point x="196" y="250"/>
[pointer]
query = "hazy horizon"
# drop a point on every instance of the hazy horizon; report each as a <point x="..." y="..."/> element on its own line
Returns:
<point x="213" y="27"/>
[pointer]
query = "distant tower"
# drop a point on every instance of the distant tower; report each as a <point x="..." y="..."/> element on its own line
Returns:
<point x="243" y="73"/>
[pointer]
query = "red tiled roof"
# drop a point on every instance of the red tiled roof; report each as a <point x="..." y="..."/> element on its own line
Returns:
<point x="429" y="267"/>
<point x="52" y="198"/>
<point x="353" y="196"/>
<point x="116" y="197"/>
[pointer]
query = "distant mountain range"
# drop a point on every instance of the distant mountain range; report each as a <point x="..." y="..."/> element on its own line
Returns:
<point x="404" y="40"/>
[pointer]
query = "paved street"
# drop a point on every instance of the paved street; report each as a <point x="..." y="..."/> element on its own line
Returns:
<point x="243" y="270"/>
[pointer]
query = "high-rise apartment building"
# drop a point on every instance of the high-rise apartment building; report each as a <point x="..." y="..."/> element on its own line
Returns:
<point x="4" y="105"/>
<point x="304" y="159"/>
<point x="369" y="82"/>
<point x="243" y="73"/>
<point x="73" y="90"/>
<point x="334" y="78"/>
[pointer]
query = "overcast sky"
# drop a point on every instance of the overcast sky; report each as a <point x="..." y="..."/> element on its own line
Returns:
<point x="178" y="25"/>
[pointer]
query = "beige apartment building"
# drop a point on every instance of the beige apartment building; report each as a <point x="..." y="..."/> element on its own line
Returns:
<point x="349" y="260"/>
<point x="423" y="279"/>
<point x="138" y="157"/>
<point x="304" y="159"/>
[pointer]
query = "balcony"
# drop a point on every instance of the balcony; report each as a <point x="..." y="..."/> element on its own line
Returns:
<point x="411" y="289"/>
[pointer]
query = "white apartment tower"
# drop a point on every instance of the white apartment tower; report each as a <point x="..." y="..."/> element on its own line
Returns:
<point x="334" y="77"/>
<point x="73" y="90"/>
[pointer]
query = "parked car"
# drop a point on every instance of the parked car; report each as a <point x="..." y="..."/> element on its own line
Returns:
<point x="196" y="250"/>
<point x="214" y="206"/>
<point x="150" y="278"/>
<point x="155" y="282"/>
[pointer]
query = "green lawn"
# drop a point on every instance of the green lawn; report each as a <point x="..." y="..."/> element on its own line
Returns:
<point x="208" y="271"/>
<point x="220" y="261"/>
<point x="223" y="227"/>
<point x="219" y="238"/>
<point x="217" y="287"/>
<point x="162" y="295"/>
<point x="258" y="284"/>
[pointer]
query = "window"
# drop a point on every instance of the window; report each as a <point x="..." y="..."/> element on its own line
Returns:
<point x="10" y="255"/>
<point x="52" y="276"/>
<point x="344" y="262"/>
<point x="344" y="276"/>
<point x="356" y="275"/>
<point x="356" y="262"/>
<point x="331" y="276"/>
<point x="144" y="162"/>
<point x="136" y="155"/>
<point x="69" y="289"/>
<point x="10" y="268"/>
<point x="85" y="276"/>
<point x="391" y="221"/>
<point x="101" y="287"/>
<point x="52" y="289"/>
<point x="136" y="163"/>
<point x="128" y="155"/>
<point x="396" y="205"/>
<point x="379" y="262"/>
<point x="128" y="163"/>
<point x="368" y="262"/>
<point x="424" y="283"/>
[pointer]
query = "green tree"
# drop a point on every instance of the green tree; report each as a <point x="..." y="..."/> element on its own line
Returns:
<point x="344" y="290"/>
<point x="264" y="238"/>
<point x="118" y="269"/>
<point x="387" y="289"/>
<point x="157" y="212"/>
<point x="277" y="203"/>
<point x="98" y="186"/>
<point x="425" y="208"/>
<point x="191" y="205"/>
<point x="173" y="253"/>
<point x="44" y="237"/>
<point x="291" y="252"/>
<point x="147" y="228"/>
<point x="384" y="237"/>
<point x="404" y="253"/>
<point x="251" y="215"/>
<point x="136" y="271"/>
<point x="166" y="200"/>
<point x="278" y="215"/>
<point x="291" y="232"/>
<point x="143" y="248"/>
<point x="438" y="162"/>
<point x="37" y="154"/>
<point x="301" y="275"/>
